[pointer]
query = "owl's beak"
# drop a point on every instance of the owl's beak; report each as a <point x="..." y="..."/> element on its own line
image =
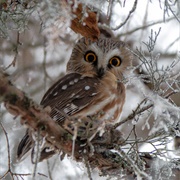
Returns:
<point x="100" y="72"/>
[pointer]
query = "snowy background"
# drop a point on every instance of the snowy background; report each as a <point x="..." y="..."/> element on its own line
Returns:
<point x="46" y="42"/>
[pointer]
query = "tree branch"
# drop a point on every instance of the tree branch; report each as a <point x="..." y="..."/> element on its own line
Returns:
<point x="33" y="115"/>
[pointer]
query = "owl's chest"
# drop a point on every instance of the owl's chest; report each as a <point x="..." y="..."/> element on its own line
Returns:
<point x="111" y="105"/>
<point x="107" y="105"/>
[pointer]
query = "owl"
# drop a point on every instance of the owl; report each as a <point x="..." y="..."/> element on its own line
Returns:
<point x="90" y="95"/>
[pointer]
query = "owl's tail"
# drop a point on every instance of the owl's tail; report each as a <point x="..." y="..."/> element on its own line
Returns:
<point x="24" y="146"/>
<point x="27" y="145"/>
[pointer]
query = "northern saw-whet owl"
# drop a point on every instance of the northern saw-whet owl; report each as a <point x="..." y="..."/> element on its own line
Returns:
<point x="91" y="92"/>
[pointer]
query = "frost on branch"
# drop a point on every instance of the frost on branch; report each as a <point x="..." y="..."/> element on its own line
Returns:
<point x="163" y="82"/>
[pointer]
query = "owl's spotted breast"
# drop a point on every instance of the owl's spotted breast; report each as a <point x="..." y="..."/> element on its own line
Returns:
<point x="108" y="100"/>
<point x="112" y="110"/>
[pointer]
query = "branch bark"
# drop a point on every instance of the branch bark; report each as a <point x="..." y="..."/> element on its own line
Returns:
<point x="33" y="115"/>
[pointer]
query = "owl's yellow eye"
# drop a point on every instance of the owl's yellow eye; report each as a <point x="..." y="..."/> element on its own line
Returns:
<point x="115" y="61"/>
<point x="90" y="57"/>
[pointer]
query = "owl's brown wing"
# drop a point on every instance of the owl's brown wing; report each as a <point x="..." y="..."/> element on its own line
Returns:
<point x="66" y="97"/>
<point x="70" y="95"/>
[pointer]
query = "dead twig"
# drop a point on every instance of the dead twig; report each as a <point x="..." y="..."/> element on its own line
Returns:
<point x="127" y="18"/>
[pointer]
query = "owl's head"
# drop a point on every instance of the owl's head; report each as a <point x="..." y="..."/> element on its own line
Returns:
<point x="95" y="59"/>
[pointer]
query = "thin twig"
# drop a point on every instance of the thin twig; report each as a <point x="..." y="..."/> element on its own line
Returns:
<point x="8" y="151"/>
<point x="144" y="27"/>
<point x="88" y="167"/>
<point x="49" y="170"/>
<point x="134" y="113"/>
<point x="109" y="12"/>
<point x="167" y="5"/>
<point x="125" y="21"/>
<point x="9" y="159"/>
<point x="13" y="63"/>
<point x="137" y="171"/>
